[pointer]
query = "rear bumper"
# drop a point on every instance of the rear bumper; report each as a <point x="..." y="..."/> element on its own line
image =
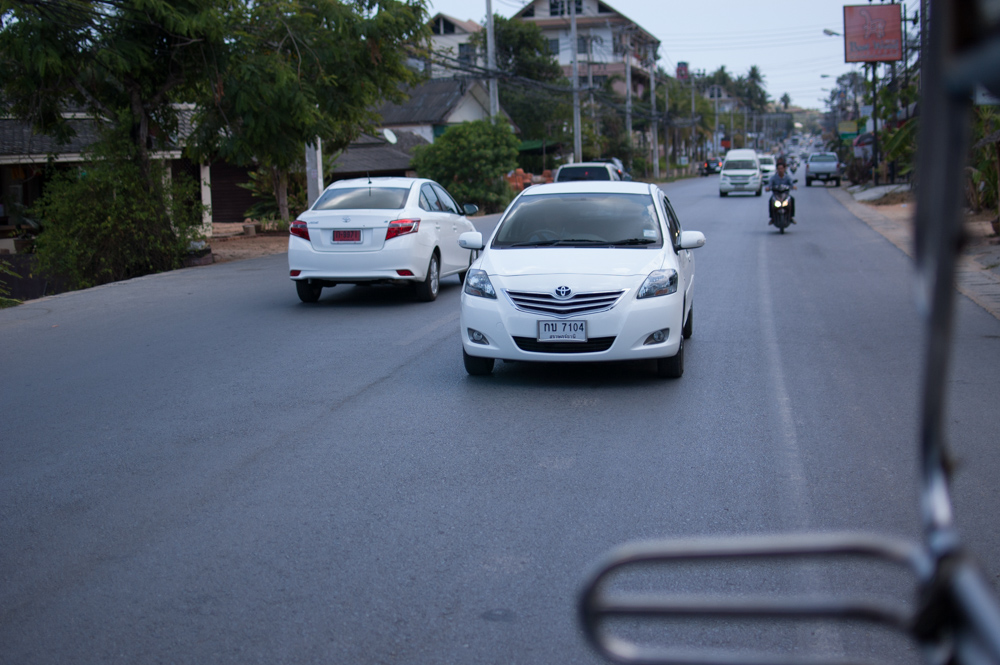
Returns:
<point x="350" y="267"/>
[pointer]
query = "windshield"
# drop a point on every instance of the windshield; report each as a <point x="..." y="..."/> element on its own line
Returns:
<point x="581" y="220"/>
<point x="767" y="161"/>
<point x="571" y="173"/>
<point x="362" y="198"/>
<point x="737" y="164"/>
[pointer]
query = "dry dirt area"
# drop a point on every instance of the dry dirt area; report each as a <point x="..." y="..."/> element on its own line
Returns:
<point x="228" y="243"/>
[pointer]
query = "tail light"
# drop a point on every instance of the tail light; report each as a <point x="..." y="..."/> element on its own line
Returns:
<point x="299" y="229"/>
<point x="401" y="227"/>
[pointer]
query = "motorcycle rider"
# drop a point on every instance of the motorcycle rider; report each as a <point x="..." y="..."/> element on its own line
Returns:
<point x="780" y="177"/>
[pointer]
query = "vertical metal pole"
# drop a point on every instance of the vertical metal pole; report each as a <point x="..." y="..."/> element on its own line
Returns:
<point x="314" y="171"/>
<point x="577" y="139"/>
<point x="691" y="148"/>
<point x="667" y="134"/>
<point x="875" y="155"/>
<point x="715" y="136"/>
<point x="652" y="97"/>
<point x="491" y="61"/>
<point x="628" y="90"/>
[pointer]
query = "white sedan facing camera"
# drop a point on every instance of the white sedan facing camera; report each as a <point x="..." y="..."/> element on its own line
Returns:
<point x="582" y="271"/>
<point x="379" y="231"/>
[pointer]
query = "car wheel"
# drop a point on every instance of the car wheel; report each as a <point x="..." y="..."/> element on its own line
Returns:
<point x="809" y="182"/>
<point x="757" y="193"/>
<point x="673" y="367"/>
<point x="836" y="183"/>
<point x="723" y="193"/>
<point x="308" y="292"/>
<point x="477" y="366"/>
<point x="427" y="290"/>
<point x="689" y="324"/>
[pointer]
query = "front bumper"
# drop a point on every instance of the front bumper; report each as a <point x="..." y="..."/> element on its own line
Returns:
<point x="511" y="334"/>
<point x="727" y="186"/>
<point x="403" y="253"/>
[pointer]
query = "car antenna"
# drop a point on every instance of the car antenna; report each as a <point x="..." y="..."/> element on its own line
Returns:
<point x="367" y="173"/>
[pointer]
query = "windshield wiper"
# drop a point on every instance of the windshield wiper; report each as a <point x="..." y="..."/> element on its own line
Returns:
<point x="560" y="241"/>
<point x="635" y="241"/>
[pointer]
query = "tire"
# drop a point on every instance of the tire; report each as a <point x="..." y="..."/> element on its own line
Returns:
<point x="427" y="290"/>
<point x="673" y="367"/>
<point x="477" y="366"/>
<point x="757" y="193"/>
<point x="836" y="183"/>
<point x="809" y="182"/>
<point x="308" y="292"/>
<point x="782" y="229"/>
<point x="688" y="329"/>
<point x="723" y="193"/>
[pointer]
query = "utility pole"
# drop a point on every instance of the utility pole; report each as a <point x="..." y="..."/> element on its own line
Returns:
<point x="691" y="148"/>
<point x="628" y="90"/>
<point x="652" y="97"/>
<point x="491" y="61"/>
<point x="667" y="134"/>
<point x="314" y="170"/>
<point x="715" y="136"/>
<point x="577" y="139"/>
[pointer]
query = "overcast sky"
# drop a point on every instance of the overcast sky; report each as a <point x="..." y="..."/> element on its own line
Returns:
<point x="784" y="38"/>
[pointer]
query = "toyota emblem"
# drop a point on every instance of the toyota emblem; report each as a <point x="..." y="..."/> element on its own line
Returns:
<point x="563" y="292"/>
<point x="347" y="220"/>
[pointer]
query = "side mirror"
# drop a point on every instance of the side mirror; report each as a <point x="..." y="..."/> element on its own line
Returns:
<point x="471" y="240"/>
<point x="470" y="208"/>
<point x="691" y="240"/>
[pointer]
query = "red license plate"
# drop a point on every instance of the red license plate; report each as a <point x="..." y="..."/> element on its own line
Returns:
<point x="347" y="236"/>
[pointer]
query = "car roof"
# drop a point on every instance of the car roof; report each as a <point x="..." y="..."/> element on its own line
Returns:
<point x="588" y="164"/>
<point x="585" y="186"/>
<point x="386" y="181"/>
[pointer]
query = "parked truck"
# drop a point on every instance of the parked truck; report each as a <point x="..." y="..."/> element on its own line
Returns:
<point x="824" y="166"/>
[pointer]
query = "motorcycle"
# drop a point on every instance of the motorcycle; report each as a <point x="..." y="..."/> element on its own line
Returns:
<point x="780" y="203"/>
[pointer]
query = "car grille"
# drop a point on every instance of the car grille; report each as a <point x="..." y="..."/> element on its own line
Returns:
<point x="580" y="303"/>
<point x="593" y="345"/>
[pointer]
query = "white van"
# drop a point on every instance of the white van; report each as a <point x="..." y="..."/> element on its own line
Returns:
<point x="740" y="173"/>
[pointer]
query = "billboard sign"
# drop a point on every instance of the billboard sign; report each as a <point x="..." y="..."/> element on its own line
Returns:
<point x="873" y="33"/>
<point x="682" y="71"/>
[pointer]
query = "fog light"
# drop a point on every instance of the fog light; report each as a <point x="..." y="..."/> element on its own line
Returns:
<point x="477" y="337"/>
<point x="658" y="337"/>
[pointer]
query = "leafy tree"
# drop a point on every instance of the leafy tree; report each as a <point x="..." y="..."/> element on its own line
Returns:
<point x="121" y="62"/>
<point x="469" y="160"/>
<point x="294" y="70"/>
<point x="785" y="101"/>
<point x="97" y="218"/>
<point x="5" y="299"/>
<point x="522" y="52"/>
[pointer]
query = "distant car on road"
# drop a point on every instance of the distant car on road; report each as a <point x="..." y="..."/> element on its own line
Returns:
<point x="823" y="166"/>
<point x="379" y="231"/>
<point x="740" y="173"/>
<point x="710" y="166"/>
<point x="581" y="272"/>
<point x="619" y="166"/>
<point x="768" y="167"/>
<point x="587" y="171"/>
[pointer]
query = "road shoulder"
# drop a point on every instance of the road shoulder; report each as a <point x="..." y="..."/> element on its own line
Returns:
<point x="978" y="273"/>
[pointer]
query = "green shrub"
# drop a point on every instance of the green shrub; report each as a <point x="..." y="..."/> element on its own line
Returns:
<point x="103" y="223"/>
<point x="469" y="160"/>
<point x="5" y="299"/>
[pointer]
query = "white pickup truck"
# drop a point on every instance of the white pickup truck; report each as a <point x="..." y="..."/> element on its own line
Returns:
<point x="823" y="166"/>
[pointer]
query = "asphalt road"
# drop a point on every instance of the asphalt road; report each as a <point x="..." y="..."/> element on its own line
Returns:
<point x="196" y="467"/>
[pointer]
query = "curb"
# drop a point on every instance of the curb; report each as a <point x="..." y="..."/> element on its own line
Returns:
<point x="972" y="280"/>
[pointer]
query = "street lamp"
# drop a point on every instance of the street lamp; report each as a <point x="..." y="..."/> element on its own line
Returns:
<point x="830" y="33"/>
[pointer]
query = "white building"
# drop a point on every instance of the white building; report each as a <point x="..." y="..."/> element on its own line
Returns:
<point x="450" y="41"/>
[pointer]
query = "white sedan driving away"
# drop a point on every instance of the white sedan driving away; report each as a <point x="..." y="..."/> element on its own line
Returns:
<point x="581" y="271"/>
<point x="379" y="231"/>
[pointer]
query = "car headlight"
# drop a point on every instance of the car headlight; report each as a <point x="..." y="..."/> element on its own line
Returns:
<point x="477" y="283"/>
<point x="659" y="283"/>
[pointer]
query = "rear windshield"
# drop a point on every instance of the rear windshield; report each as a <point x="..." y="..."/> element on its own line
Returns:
<point x="362" y="198"/>
<point x="823" y="158"/>
<point x="740" y="164"/>
<point x="571" y="173"/>
<point x="581" y="220"/>
<point x="767" y="160"/>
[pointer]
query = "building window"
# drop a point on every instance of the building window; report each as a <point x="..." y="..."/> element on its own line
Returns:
<point x="581" y="45"/>
<point x="443" y="27"/>
<point x="466" y="54"/>
<point x="560" y="7"/>
<point x="554" y="47"/>
<point x="529" y="12"/>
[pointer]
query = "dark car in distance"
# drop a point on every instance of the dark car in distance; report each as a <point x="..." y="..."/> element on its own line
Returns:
<point x="710" y="166"/>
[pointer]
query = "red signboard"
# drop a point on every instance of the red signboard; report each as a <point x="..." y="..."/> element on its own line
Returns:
<point x="682" y="71"/>
<point x="873" y="33"/>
